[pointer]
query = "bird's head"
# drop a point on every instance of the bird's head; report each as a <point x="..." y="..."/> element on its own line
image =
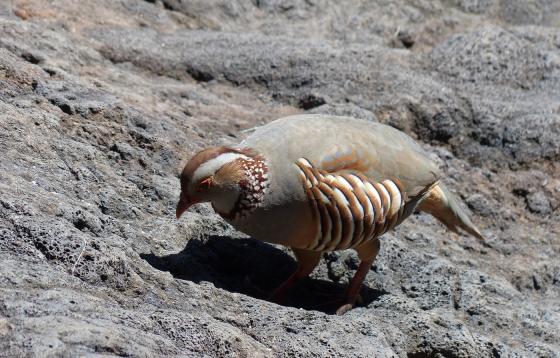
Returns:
<point x="222" y="176"/>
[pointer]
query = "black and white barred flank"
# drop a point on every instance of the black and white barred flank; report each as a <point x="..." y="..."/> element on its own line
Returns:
<point x="348" y="208"/>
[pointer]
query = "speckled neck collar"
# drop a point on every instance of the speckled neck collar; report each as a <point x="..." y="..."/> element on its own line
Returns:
<point x="253" y="187"/>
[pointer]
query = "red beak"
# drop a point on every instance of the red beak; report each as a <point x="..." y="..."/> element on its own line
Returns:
<point x="184" y="203"/>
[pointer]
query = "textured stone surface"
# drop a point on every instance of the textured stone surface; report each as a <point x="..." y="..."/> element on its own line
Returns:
<point x="101" y="103"/>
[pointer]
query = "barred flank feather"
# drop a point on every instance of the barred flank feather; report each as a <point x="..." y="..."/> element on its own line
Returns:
<point x="348" y="209"/>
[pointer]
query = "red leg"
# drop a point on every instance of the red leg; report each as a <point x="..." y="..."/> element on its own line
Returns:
<point x="354" y="287"/>
<point x="307" y="261"/>
<point x="367" y="253"/>
<point x="279" y="293"/>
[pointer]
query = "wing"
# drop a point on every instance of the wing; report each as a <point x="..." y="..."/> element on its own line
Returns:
<point x="334" y="143"/>
<point x="411" y="168"/>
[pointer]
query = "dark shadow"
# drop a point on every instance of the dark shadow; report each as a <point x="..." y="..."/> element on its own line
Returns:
<point x="252" y="268"/>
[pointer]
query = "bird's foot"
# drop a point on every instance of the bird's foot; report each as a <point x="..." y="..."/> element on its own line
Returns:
<point x="341" y="302"/>
<point x="348" y="306"/>
<point x="344" y="308"/>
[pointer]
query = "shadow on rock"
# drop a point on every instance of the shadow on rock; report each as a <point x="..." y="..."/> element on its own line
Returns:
<point x="252" y="268"/>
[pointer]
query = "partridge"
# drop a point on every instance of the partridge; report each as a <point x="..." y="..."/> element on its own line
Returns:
<point x="319" y="183"/>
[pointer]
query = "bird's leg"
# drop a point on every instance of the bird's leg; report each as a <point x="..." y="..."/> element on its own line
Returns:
<point x="367" y="253"/>
<point x="307" y="261"/>
<point x="354" y="287"/>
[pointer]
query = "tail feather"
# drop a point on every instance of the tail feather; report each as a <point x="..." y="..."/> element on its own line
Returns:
<point x="442" y="205"/>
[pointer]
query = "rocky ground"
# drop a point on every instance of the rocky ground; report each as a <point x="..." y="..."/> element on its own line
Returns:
<point x="102" y="102"/>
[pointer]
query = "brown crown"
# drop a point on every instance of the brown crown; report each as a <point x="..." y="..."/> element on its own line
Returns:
<point x="205" y="155"/>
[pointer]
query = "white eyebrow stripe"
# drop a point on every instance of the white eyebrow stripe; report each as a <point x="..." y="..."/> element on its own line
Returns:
<point x="211" y="166"/>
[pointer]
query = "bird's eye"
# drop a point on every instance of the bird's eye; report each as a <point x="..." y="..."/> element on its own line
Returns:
<point x="204" y="184"/>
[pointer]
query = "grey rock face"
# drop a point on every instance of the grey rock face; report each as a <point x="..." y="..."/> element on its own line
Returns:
<point x="539" y="203"/>
<point x="101" y="103"/>
<point x="490" y="55"/>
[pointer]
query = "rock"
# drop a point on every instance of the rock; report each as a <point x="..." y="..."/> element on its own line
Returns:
<point x="479" y="203"/>
<point x="493" y="55"/>
<point x="476" y="6"/>
<point x="102" y="103"/>
<point x="406" y="38"/>
<point x="539" y="203"/>
<point x="529" y="12"/>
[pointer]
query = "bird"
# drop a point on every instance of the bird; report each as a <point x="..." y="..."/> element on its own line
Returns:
<point x="318" y="183"/>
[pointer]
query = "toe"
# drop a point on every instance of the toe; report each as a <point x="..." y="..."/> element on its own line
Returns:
<point x="344" y="308"/>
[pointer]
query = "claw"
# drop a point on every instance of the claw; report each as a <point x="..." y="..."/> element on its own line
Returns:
<point x="344" y="308"/>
